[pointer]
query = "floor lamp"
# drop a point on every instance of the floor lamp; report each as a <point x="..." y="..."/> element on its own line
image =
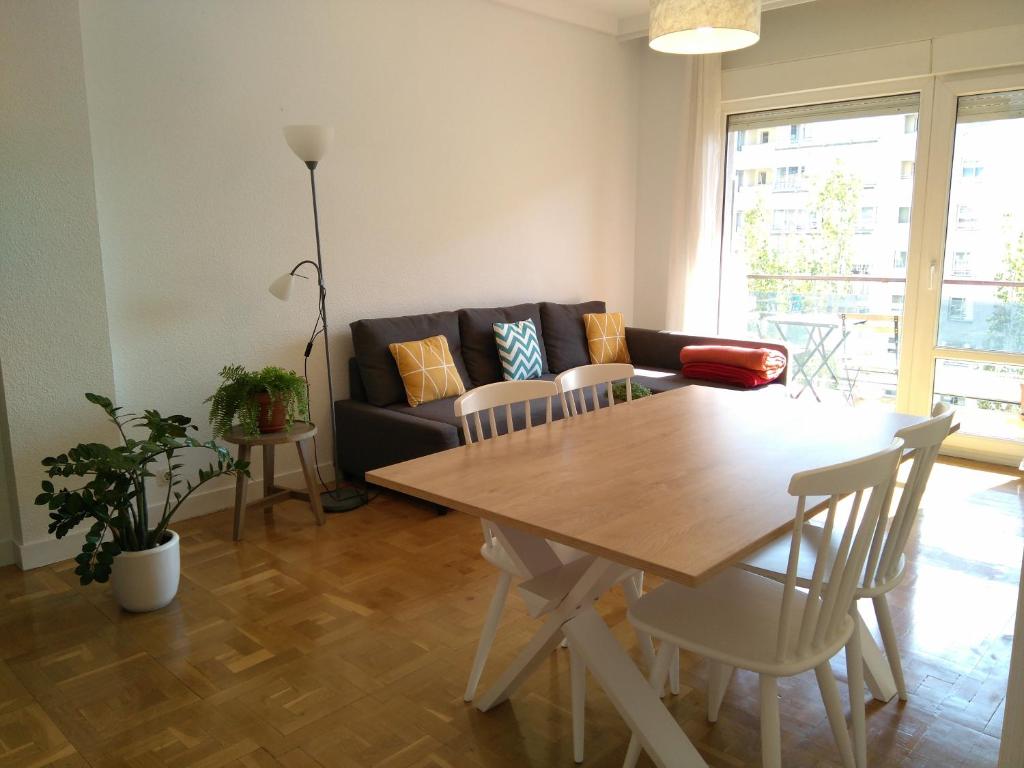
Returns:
<point x="310" y="143"/>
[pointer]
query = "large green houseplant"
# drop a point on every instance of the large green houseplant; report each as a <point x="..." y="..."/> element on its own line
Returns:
<point x="114" y="494"/>
<point x="262" y="401"/>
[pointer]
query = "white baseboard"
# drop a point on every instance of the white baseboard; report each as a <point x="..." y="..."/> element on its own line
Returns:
<point x="35" y="554"/>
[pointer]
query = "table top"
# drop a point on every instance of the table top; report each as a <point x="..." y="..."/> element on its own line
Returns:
<point x="682" y="484"/>
<point x="817" y="320"/>
<point x="299" y="430"/>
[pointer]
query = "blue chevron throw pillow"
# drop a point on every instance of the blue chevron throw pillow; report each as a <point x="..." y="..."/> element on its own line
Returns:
<point x="518" y="350"/>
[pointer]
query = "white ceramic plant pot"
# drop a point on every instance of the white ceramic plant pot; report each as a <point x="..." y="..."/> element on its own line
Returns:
<point x="147" y="580"/>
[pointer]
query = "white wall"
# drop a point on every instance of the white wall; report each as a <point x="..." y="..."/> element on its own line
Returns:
<point x="484" y="156"/>
<point x="831" y="26"/>
<point x="53" y="335"/>
<point x="10" y="525"/>
<point x="662" y="164"/>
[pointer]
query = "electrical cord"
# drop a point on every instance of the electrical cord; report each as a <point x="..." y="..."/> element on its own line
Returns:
<point x="318" y="330"/>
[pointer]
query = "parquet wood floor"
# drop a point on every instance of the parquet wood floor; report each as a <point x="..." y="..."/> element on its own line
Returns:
<point x="348" y="646"/>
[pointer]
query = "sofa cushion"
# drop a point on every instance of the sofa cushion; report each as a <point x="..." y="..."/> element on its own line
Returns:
<point x="565" y="338"/>
<point x="606" y="337"/>
<point x="661" y="379"/>
<point x="518" y="350"/>
<point x="480" y="353"/>
<point x="427" y="370"/>
<point x="381" y="380"/>
<point x="436" y="410"/>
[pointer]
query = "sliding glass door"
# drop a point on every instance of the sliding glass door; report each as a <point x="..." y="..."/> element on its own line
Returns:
<point x="817" y="237"/>
<point x="883" y="240"/>
<point x="973" y="355"/>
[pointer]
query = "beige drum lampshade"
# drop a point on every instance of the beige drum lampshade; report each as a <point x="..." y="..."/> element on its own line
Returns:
<point x="704" y="26"/>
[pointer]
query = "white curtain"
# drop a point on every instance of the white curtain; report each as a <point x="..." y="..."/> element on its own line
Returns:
<point x="692" y="281"/>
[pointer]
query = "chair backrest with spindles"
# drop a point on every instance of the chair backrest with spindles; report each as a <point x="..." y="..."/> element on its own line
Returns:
<point x="502" y="395"/>
<point x="921" y="443"/>
<point x="576" y="382"/>
<point x="833" y="586"/>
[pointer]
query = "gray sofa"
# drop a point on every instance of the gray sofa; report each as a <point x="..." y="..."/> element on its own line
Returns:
<point x="377" y="427"/>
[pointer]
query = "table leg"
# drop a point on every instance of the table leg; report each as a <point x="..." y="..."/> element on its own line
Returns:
<point x="241" y="487"/>
<point x="817" y="350"/>
<point x="801" y="366"/>
<point x="309" y="472"/>
<point x="533" y="653"/>
<point x="827" y="355"/>
<point x="268" y="474"/>
<point x="589" y="636"/>
<point x="634" y="698"/>
<point x="877" y="672"/>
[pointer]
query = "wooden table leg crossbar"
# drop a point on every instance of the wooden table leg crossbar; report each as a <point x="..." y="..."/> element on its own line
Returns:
<point x="565" y="595"/>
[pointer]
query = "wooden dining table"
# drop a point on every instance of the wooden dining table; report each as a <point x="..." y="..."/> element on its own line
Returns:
<point x="683" y="484"/>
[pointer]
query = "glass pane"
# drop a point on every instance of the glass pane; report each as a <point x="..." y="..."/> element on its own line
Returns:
<point x="987" y="396"/>
<point x="983" y="270"/>
<point x="816" y="246"/>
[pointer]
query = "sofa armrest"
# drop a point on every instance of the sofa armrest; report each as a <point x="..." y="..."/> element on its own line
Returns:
<point x="370" y="437"/>
<point x="660" y="349"/>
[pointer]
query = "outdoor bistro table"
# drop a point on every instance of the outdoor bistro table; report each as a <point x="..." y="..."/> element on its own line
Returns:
<point x="820" y="348"/>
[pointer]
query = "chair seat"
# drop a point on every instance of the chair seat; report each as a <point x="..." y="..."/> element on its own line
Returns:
<point x="773" y="561"/>
<point x="734" y="619"/>
<point x="494" y="553"/>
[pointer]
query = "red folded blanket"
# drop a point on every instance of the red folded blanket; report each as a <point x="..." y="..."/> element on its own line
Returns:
<point x="729" y="374"/>
<point x="760" y="360"/>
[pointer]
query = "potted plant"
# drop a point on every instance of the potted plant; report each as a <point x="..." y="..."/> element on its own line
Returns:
<point x="143" y="560"/>
<point x="262" y="401"/>
<point x="619" y="391"/>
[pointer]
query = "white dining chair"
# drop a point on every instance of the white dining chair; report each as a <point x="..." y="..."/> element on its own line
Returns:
<point x="739" y="619"/>
<point x="886" y="562"/>
<point x="468" y="407"/>
<point x="497" y="400"/>
<point x="574" y="384"/>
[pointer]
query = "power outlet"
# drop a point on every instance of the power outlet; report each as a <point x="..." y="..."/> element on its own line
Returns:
<point x="163" y="479"/>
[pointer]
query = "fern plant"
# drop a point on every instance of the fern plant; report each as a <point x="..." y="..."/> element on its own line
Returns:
<point x="619" y="391"/>
<point x="236" y="397"/>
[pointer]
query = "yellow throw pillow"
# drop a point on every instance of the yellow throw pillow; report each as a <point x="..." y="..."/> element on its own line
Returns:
<point x="606" y="337"/>
<point x="427" y="369"/>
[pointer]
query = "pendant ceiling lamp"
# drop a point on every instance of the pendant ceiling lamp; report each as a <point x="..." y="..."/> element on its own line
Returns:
<point x="704" y="26"/>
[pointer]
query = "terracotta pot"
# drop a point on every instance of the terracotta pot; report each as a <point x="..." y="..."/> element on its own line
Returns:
<point x="147" y="580"/>
<point x="272" y="414"/>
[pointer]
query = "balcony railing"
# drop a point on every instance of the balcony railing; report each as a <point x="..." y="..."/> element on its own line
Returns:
<point x="880" y="279"/>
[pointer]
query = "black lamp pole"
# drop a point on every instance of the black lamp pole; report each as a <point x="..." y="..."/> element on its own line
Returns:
<point x="340" y="499"/>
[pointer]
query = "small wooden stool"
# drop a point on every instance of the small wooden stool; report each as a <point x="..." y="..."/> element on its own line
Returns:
<point x="301" y="433"/>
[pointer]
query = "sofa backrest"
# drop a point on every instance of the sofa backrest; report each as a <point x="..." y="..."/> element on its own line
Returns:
<point x="479" y="349"/>
<point x="470" y="335"/>
<point x="377" y="369"/>
<point x="565" y="335"/>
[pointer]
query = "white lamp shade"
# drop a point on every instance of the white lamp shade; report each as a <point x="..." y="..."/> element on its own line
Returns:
<point x="282" y="286"/>
<point x="704" y="26"/>
<point x="309" y="142"/>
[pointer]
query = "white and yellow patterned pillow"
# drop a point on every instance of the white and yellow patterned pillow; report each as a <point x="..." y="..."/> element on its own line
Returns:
<point x="606" y="337"/>
<point x="427" y="369"/>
